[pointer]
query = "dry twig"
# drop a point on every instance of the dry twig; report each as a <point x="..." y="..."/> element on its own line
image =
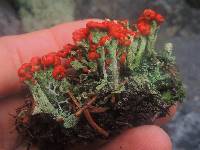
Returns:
<point x="87" y="114"/>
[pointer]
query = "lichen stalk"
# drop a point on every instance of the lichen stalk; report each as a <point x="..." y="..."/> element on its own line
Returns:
<point x="114" y="65"/>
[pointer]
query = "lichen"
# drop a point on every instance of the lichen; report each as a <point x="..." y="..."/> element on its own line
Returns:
<point x="112" y="77"/>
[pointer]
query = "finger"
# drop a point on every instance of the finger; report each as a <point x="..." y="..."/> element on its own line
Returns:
<point x="146" y="137"/>
<point x="15" y="50"/>
<point x="163" y="120"/>
<point x="63" y="33"/>
<point x="8" y="136"/>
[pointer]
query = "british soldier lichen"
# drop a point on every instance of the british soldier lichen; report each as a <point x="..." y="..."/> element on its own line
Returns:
<point x="112" y="70"/>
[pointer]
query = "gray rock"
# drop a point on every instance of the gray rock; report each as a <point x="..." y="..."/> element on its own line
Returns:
<point x="185" y="128"/>
<point x="9" y="21"/>
<point x="38" y="14"/>
<point x="112" y="9"/>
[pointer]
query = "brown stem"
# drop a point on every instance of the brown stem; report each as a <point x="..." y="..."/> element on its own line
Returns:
<point x="87" y="114"/>
<point x="94" y="109"/>
<point x="79" y="112"/>
<point x="93" y="123"/>
<point x="74" y="99"/>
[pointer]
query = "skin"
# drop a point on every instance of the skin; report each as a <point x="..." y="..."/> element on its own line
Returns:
<point x="18" y="49"/>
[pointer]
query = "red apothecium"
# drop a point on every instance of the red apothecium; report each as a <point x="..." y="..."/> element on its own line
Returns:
<point x="58" y="72"/>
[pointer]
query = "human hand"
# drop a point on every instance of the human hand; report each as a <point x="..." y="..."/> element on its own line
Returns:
<point x="15" y="50"/>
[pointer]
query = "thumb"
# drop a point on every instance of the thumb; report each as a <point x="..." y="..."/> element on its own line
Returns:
<point x="147" y="137"/>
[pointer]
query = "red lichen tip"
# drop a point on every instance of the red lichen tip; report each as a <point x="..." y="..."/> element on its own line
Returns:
<point x="159" y="18"/>
<point x="104" y="39"/>
<point x="80" y="34"/>
<point x="58" y="72"/>
<point x="24" y="72"/>
<point x="50" y="59"/>
<point x="93" y="55"/>
<point x="149" y="14"/>
<point x="97" y="25"/>
<point x="144" y="27"/>
<point x="123" y="58"/>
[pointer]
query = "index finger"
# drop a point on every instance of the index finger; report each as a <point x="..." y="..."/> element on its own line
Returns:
<point x="15" y="50"/>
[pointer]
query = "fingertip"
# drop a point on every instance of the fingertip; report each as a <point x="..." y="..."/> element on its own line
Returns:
<point x="146" y="137"/>
<point x="8" y="134"/>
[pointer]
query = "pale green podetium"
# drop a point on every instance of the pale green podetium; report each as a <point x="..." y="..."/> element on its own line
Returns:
<point x="48" y="95"/>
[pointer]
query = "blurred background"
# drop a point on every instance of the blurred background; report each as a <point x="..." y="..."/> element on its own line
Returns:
<point x="181" y="28"/>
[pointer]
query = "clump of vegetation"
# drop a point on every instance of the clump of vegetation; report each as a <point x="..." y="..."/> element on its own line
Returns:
<point x="111" y="78"/>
